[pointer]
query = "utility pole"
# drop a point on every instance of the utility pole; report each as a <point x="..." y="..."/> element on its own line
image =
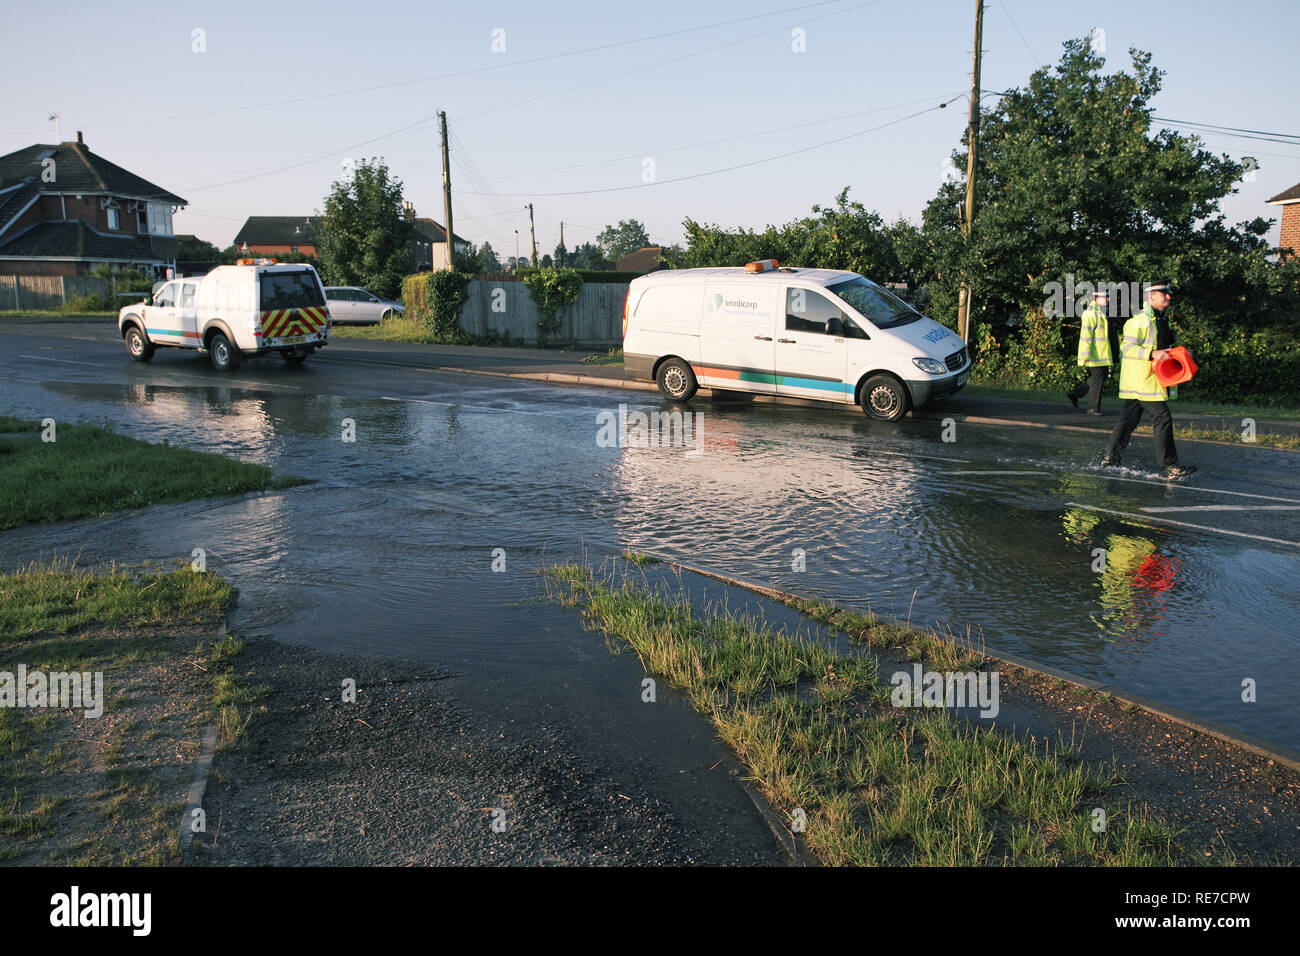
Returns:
<point x="533" y="232"/>
<point x="963" y="304"/>
<point x="562" y="236"/>
<point x="446" y="191"/>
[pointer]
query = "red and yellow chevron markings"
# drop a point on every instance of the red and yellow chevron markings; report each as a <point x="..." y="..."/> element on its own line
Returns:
<point x="277" y="323"/>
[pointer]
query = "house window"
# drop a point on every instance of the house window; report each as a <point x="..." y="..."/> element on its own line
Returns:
<point x="113" y="222"/>
<point x="160" y="219"/>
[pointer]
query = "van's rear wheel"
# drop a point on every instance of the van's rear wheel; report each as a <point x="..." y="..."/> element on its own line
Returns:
<point x="224" y="355"/>
<point x="139" y="347"/>
<point x="884" y="398"/>
<point x="677" y="381"/>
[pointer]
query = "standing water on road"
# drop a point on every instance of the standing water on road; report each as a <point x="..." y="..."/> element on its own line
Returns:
<point x="1010" y="536"/>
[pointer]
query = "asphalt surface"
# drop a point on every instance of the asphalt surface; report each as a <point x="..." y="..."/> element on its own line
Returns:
<point x="993" y="535"/>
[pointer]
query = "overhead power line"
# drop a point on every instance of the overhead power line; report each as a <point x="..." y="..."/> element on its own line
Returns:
<point x="504" y="65"/>
<point x="732" y="168"/>
<point x="427" y="120"/>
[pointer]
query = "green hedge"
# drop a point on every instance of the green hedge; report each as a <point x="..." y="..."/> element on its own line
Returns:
<point x="1259" y="368"/>
<point x="436" y="299"/>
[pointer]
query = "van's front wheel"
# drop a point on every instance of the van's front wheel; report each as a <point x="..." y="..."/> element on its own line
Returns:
<point x="884" y="398"/>
<point x="677" y="381"/>
<point x="139" y="347"/>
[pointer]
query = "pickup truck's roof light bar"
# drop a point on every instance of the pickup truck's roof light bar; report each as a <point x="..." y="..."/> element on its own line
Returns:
<point x="762" y="265"/>
<point x="255" y="262"/>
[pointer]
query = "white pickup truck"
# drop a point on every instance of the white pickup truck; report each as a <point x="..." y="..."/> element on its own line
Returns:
<point x="255" y="307"/>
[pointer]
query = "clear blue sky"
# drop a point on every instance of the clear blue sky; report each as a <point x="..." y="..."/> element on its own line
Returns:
<point x="193" y="122"/>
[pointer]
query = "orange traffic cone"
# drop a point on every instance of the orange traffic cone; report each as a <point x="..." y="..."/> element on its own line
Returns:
<point x="1175" y="367"/>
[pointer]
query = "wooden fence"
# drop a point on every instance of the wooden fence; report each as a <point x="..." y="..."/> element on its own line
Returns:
<point x="595" y="320"/>
<point x="48" y="292"/>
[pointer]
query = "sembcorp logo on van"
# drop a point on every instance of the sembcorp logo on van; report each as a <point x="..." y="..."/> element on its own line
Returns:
<point x="719" y="302"/>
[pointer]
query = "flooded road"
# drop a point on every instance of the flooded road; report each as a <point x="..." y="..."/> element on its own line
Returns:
<point x="1011" y="536"/>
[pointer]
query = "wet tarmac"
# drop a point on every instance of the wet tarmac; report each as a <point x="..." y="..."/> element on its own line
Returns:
<point x="998" y="534"/>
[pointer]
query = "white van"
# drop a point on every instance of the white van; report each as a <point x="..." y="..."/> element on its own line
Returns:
<point x="806" y="333"/>
<point x="255" y="307"/>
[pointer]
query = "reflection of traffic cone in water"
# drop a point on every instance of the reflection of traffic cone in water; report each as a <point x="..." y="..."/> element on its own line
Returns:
<point x="1175" y="367"/>
<point x="1157" y="573"/>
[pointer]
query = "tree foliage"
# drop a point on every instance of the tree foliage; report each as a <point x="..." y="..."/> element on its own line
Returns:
<point x="363" y="238"/>
<point x="1072" y="179"/>
<point x="615" y="241"/>
<point x="846" y="235"/>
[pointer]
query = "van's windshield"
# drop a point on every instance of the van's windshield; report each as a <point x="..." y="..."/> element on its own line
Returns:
<point x="881" y="308"/>
<point x="290" y="290"/>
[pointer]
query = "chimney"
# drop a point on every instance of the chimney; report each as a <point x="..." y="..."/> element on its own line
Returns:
<point x="80" y="141"/>
<point x="408" y="210"/>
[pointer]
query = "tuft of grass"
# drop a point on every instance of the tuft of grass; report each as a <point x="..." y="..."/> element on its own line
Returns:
<point x="88" y="470"/>
<point x="878" y="786"/>
<point x="639" y="559"/>
<point x="58" y="598"/>
<point x="613" y="357"/>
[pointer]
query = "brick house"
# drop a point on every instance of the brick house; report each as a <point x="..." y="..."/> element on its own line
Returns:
<point x="1289" y="200"/>
<point x="65" y="210"/>
<point x="645" y="259"/>
<point x="431" y="242"/>
<point x="276" y="235"/>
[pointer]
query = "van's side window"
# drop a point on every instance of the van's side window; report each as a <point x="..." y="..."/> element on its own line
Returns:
<point x="808" y="311"/>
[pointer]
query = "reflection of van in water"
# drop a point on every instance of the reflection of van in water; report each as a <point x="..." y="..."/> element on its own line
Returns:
<point x="805" y="333"/>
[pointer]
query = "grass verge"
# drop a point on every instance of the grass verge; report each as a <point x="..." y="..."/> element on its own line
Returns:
<point x="400" y="328"/>
<point x="89" y="470"/>
<point x="877" y="785"/>
<point x="81" y="789"/>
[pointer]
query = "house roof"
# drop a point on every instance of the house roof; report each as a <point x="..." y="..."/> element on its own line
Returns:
<point x="74" y="239"/>
<point x="1287" y="195"/>
<point x="78" y="170"/>
<point x="14" y="199"/>
<point x="277" y="231"/>
<point x="645" y="259"/>
<point x="431" y="230"/>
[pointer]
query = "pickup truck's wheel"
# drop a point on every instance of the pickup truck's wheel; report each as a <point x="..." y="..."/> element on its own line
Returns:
<point x="224" y="355"/>
<point x="884" y="398"/>
<point x="137" y="345"/>
<point x="677" y="381"/>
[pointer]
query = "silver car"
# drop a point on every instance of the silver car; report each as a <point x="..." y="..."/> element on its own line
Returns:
<point x="348" y="304"/>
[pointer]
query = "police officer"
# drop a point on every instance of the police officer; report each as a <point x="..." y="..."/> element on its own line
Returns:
<point x="1094" y="352"/>
<point x="1147" y="336"/>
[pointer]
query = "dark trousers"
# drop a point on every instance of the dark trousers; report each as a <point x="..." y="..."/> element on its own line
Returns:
<point x="1162" y="423"/>
<point x="1092" y="386"/>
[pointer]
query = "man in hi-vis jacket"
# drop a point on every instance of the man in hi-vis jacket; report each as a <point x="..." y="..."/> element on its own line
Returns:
<point x="1094" y="352"/>
<point x="1146" y="338"/>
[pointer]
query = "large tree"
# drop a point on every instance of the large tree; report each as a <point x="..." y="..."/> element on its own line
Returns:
<point x="628" y="236"/>
<point x="1073" y="179"/>
<point x="362" y="237"/>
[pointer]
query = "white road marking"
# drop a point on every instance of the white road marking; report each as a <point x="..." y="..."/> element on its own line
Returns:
<point x="1223" y="508"/>
<point x="46" y="358"/>
<point x="971" y="471"/>
<point x="1184" y="524"/>
<point x="904" y="454"/>
<point x="1166" y="484"/>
